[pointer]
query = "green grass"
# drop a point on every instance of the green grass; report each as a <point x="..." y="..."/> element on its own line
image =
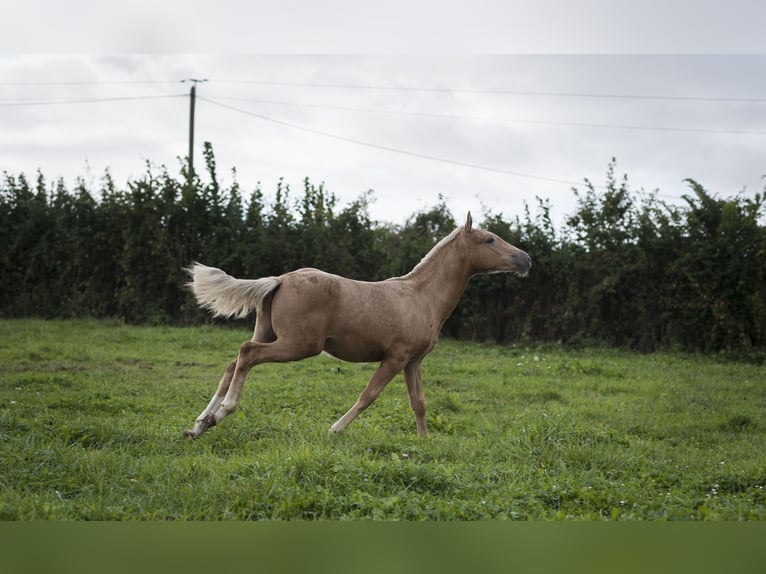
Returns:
<point x="92" y="415"/>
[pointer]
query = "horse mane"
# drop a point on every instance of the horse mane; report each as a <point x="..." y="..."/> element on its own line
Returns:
<point x="432" y="254"/>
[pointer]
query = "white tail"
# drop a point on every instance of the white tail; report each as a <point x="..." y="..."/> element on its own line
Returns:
<point x="227" y="296"/>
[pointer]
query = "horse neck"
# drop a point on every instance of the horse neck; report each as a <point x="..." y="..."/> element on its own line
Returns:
<point x="442" y="276"/>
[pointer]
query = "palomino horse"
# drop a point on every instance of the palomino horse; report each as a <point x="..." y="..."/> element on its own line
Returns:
<point x="395" y="322"/>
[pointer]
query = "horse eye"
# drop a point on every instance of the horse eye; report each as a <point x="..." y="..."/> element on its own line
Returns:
<point x="489" y="240"/>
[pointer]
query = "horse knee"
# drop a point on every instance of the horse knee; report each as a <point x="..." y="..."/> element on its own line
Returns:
<point x="245" y="352"/>
<point x="418" y="407"/>
<point x="248" y="357"/>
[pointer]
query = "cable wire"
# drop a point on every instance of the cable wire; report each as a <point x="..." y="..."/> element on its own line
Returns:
<point x="88" y="82"/>
<point x="86" y="100"/>
<point x="503" y="92"/>
<point x="499" y="120"/>
<point x="586" y="181"/>
<point x="390" y="149"/>
<point x="542" y="93"/>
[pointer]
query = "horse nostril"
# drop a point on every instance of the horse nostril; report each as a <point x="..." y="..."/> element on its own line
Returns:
<point x="523" y="261"/>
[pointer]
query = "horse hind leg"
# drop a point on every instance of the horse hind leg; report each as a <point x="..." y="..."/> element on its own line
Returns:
<point x="204" y="420"/>
<point x="264" y="333"/>
<point x="252" y="353"/>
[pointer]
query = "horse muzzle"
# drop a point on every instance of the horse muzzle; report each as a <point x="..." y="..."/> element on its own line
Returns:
<point x="521" y="263"/>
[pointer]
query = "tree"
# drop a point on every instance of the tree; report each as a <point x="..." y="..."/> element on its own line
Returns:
<point x="626" y="269"/>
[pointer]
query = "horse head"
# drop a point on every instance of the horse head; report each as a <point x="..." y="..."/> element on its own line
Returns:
<point x="488" y="253"/>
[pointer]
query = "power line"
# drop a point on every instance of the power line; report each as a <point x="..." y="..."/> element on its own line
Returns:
<point x="407" y="88"/>
<point x="542" y="93"/>
<point x="85" y="100"/>
<point x="587" y="182"/>
<point x="88" y="82"/>
<point x="499" y="120"/>
<point x="392" y="149"/>
<point x="17" y="102"/>
<point x="38" y="102"/>
<point x="503" y="92"/>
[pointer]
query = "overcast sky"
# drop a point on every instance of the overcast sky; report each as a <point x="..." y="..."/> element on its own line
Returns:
<point x="485" y="131"/>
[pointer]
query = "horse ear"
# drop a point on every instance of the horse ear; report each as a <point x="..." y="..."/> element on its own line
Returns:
<point x="468" y="223"/>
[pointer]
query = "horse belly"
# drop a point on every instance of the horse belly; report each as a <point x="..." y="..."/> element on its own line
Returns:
<point x="354" y="350"/>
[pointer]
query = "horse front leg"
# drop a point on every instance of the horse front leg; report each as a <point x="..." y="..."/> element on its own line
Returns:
<point x="414" y="380"/>
<point x="385" y="372"/>
<point x="205" y="420"/>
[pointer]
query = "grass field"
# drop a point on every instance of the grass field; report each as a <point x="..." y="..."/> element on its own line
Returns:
<point x="92" y="415"/>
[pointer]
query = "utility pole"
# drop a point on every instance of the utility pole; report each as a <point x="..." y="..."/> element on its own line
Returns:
<point x="192" y="98"/>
